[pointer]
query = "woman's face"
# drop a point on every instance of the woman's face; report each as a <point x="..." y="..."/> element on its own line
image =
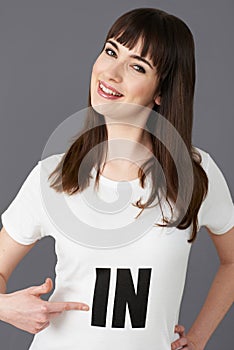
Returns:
<point x="122" y="75"/>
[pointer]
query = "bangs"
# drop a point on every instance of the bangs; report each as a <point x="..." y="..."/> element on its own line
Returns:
<point x="146" y="27"/>
<point x="164" y="38"/>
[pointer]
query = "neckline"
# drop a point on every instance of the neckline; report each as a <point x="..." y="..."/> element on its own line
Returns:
<point x="114" y="183"/>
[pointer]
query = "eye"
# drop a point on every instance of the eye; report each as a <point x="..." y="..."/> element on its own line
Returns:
<point x="138" y="68"/>
<point x="110" y="52"/>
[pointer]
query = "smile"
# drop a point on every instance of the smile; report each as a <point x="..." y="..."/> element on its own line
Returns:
<point x="108" y="91"/>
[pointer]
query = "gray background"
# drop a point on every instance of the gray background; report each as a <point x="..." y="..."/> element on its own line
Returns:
<point x="47" y="51"/>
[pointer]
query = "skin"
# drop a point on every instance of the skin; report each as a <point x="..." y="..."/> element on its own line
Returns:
<point x="27" y="311"/>
<point x="219" y="300"/>
<point x="137" y="82"/>
<point x="118" y="68"/>
<point x="134" y="79"/>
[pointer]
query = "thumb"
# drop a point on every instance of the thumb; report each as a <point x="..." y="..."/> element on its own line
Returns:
<point x="44" y="288"/>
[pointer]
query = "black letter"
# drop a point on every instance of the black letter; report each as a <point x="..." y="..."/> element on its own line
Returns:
<point x="100" y="298"/>
<point x="137" y="303"/>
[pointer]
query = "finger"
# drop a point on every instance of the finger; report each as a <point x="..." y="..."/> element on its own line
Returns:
<point x="65" y="306"/>
<point x="45" y="326"/>
<point x="180" y="330"/>
<point x="179" y="344"/>
<point x="44" y="288"/>
<point x="54" y="314"/>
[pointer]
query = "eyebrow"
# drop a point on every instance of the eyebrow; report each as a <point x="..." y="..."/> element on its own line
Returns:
<point x="139" y="58"/>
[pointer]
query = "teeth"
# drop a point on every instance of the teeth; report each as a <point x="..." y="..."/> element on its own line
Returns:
<point x="108" y="91"/>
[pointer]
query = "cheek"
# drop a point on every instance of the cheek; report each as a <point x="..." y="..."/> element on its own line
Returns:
<point x="94" y="70"/>
<point x="142" y="91"/>
<point x="94" y="74"/>
<point x="98" y="67"/>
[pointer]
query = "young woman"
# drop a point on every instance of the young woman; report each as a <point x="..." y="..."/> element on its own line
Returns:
<point x="125" y="269"/>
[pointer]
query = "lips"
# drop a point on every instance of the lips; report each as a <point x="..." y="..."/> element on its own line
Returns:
<point x="108" y="91"/>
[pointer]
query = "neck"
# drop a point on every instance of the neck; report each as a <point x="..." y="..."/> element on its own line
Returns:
<point x="127" y="143"/>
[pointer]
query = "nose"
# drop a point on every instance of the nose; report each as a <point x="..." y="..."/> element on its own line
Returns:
<point x="114" y="72"/>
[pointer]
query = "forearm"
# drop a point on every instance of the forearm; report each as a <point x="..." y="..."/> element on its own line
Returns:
<point x="3" y="287"/>
<point x="219" y="300"/>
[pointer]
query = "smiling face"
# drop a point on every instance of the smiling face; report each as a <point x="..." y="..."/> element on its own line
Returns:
<point x="122" y="75"/>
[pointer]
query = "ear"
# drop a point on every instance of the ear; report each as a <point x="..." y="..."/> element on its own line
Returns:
<point x="157" y="100"/>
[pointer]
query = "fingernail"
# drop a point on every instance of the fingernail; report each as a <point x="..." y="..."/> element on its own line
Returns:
<point x="85" y="307"/>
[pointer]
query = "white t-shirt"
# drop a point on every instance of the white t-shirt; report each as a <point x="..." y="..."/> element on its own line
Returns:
<point x="134" y="289"/>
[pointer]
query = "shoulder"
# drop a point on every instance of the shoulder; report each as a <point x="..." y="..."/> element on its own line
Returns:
<point x="52" y="159"/>
<point x="49" y="163"/>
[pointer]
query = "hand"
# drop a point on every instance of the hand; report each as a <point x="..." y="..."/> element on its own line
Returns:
<point x="25" y="309"/>
<point x="183" y="342"/>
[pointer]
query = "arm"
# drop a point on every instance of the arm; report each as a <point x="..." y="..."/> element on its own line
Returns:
<point x="10" y="248"/>
<point x="25" y="309"/>
<point x="217" y="215"/>
<point x="221" y="294"/>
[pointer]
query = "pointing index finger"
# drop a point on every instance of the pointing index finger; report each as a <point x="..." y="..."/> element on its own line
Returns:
<point x="65" y="306"/>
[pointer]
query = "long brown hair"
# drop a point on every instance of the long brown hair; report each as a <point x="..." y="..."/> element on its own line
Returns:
<point x="169" y="43"/>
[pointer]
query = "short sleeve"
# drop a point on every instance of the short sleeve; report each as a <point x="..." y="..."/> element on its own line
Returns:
<point x="217" y="210"/>
<point x="22" y="218"/>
